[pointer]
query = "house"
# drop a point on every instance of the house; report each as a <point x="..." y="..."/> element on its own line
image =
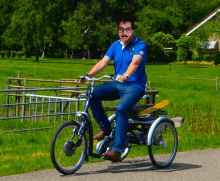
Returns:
<point x="213" y="43"/>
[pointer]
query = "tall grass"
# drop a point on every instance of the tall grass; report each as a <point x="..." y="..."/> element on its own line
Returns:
<point x="197" y="100"/>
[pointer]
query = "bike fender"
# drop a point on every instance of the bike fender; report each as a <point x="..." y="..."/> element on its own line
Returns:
<point x="153" y="127"/>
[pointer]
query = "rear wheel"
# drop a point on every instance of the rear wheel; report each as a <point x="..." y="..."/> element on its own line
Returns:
<point x="68" y="148"/>
<point x="163" y="145"/>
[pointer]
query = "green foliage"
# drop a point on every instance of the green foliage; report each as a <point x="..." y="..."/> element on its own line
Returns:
<point x="8" y="53"/>
<point x="2" y="53"/>
<point x="171" y="56"/>
<point x="156" y="53"/>
<point x="13" y="54"/>
<point x="217" y="58"/>
<point x="20" y="54"/>
<point x="195" y="57"/>
<point x="163" y="38"/>
<point x="33" y="25"/>
<point x="184" y="44"/>
<point x="207" y="57"/>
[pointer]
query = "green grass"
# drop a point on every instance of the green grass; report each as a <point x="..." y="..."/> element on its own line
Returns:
<point x="197" y="100"/>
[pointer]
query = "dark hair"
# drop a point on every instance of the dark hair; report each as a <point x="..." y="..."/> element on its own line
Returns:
<point x="126" y="17"/>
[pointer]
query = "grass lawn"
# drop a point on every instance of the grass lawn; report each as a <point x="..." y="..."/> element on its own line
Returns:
<point x="197" y="100"/>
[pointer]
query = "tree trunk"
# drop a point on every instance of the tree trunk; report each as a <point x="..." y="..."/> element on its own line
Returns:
<point x="66" y="54"/>
<point x="89" y="57"/>
<point x="11" y="54"/>
<point x="37" y="54"/>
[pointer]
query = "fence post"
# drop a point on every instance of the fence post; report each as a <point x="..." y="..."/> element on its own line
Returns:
<point x="35" y="71"/>
<point x="7" y="100"/>
<point x="216" y="83"/>
<point x="18" y="97"/>
<point x="23" y="106"/>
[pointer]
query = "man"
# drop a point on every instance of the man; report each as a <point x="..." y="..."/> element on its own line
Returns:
<point x="129" y="55"/>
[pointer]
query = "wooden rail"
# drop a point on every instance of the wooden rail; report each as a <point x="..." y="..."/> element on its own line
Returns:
<point x="22" y="83"/>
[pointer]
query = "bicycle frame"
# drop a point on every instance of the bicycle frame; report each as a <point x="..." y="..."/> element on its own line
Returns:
<point x="84" y="117"/>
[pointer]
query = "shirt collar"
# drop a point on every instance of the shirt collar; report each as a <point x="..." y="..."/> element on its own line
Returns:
<point x="134" y="39"/>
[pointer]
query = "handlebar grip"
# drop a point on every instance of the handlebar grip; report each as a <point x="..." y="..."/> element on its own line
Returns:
<point x="84" y="77"/>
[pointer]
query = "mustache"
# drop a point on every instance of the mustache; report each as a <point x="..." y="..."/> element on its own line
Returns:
<point x="124" y="36"/>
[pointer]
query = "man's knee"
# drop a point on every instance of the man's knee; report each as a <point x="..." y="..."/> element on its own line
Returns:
<point x="121" y="109"/>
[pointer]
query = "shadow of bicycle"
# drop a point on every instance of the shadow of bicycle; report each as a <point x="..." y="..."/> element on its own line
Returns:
<point x="137" y="166"/>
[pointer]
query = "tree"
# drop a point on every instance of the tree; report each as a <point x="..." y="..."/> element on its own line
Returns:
<point x="184" y="44"/>
<point x="163" y="38"/>
<point x="93" y="24"/>
<point x="39" y="22"/>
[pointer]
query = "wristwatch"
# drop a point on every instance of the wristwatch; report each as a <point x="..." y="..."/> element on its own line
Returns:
<point x="126" y="75"/>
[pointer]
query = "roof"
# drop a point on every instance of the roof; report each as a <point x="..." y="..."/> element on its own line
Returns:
<point x="207" y="18"/>
<point x="210" y="45"/>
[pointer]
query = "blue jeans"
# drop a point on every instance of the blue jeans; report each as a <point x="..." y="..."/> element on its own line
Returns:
<point x="129" y="95"/>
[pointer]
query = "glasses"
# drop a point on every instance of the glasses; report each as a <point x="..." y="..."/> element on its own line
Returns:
<point x="121" y="30"/>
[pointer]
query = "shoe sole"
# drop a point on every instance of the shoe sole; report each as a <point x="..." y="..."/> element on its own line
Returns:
<point x="111" y="159"/>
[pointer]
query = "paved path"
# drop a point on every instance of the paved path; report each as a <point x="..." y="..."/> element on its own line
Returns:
<point x="202" y="165"/>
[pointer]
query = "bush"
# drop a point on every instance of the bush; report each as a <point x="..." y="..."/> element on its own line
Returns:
<point x="13" y="54"/>
<point x="184" y="44"/>
<point x="217" y="58"/>
<point x="20" y="54"/>
<point x="171" y="56"/>
<point x="8" y="53"/>
<point x="2" y="54"/>
<point x="207" y="57"/>
<point x="156" y="53"/>
<point x="195" y="57"/>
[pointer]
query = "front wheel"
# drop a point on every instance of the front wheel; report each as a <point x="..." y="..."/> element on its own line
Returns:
<point x="68" y="148"/>
<point x="163" y="145"/>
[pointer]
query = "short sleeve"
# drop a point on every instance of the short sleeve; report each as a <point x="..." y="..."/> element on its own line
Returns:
<point x="110" y="52"/>
<point x="141" y="50"/>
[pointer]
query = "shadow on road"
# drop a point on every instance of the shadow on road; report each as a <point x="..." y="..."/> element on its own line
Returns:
<point x="137" y="166"/>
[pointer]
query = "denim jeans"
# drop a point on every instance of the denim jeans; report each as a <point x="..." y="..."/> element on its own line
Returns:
<point x="129" y="95"/>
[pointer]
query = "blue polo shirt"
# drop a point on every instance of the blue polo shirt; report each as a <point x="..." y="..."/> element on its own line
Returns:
<point x="123" y="56"/>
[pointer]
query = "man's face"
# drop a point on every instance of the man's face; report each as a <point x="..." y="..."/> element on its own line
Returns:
<point x="125" y="32"/>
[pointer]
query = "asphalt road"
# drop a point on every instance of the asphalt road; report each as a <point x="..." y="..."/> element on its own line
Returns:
<point x="202" y="165"/>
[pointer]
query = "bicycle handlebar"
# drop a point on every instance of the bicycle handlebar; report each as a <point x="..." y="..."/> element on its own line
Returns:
<point x="111" y="76"/>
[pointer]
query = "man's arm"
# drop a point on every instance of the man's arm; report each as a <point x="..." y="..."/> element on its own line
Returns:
<point x="100" y="66"/>
<point x="131" y="68"/>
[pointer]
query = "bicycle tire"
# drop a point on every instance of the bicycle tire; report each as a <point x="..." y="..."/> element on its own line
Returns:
<point x="64" y="152"/>
<point x="163" y="145"/>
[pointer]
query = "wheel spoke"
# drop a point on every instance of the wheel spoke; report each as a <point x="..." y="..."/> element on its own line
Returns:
<point x="60" y="155"/>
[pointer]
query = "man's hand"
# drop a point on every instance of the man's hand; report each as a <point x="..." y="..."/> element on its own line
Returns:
<point x="121" y="78"/>
<point x="82" y="78"/>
